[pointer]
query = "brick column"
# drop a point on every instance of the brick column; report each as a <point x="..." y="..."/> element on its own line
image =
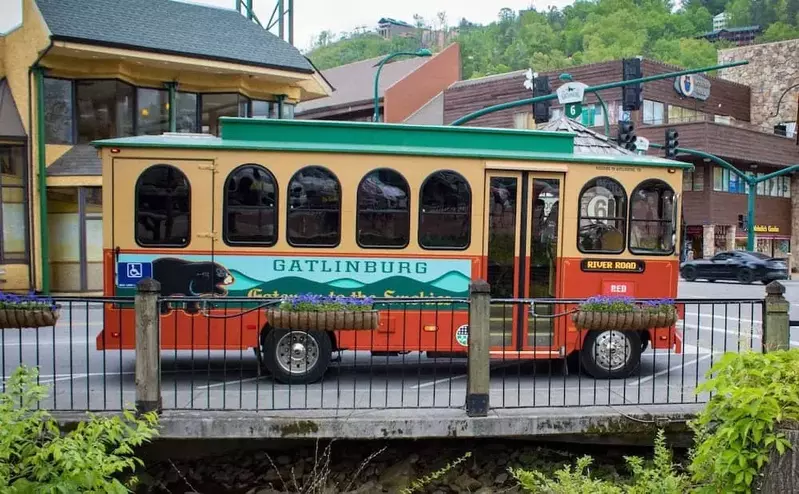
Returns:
<point x="731" y="232"/>
<point x="708" y="241"/>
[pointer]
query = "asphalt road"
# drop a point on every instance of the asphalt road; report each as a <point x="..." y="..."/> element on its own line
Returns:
<point x="82" y="378"/>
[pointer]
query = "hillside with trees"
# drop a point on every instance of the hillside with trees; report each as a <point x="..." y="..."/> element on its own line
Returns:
<point x="584" y="32"/>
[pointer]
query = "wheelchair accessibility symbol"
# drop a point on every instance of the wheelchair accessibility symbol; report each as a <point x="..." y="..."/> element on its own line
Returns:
<point x="130" y="273"/>
<point x="134" y="270"/>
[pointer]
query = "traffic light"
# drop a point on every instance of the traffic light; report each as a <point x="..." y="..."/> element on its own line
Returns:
<point x="671" y="144"/>
<point x="541" y="109"/>
<point x="632" y="97"/>
<point x="626" y="136"/>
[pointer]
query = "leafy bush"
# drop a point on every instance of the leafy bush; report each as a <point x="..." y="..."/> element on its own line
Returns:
<point x="660" y="477"/>
<point x="37" y="458"/>
<point x="736" y="431"/>
<point x="322" y="303"/>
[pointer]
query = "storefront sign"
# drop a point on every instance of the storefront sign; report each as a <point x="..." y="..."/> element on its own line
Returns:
<point x="611" y="266"/>
<point x="692" y="86"/>
<point x="767" y="229"/>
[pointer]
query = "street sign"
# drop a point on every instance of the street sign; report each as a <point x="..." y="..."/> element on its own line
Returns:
<point x="571" y="92"/>
<point x="573" y="110"/>
<point x="641" y="143"/>
<point x="130" y="273"/>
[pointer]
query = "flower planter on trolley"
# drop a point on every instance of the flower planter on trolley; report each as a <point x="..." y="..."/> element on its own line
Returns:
<point x="620" y="321"/>
<point x="310" y="320"/>
<point x="11" y="318"/>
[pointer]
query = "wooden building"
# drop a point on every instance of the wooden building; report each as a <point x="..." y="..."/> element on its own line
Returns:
<point x="718" y="123"/>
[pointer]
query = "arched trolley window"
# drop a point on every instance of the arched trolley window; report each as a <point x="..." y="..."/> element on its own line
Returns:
<point x="652" y="218"/>
<point x="250" y="207"/>
<point x="603" y="217"/>
<point x="163" y="207"/>
<point x="314" y="208"/>
<point x="384" y="210"/>
<point x="445" y="212"/>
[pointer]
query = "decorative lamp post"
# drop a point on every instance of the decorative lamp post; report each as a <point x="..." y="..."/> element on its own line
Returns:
<point x="424" y="52"/>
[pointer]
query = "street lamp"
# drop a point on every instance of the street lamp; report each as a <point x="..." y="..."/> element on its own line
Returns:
<point x="423" y="52"/>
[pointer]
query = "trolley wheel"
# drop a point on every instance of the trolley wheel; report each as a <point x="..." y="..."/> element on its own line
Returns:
<point x="296" y="356"/>
<point x="745" y="276"/>
<point x="611" y="354"/>
<point x="689" y="273"/>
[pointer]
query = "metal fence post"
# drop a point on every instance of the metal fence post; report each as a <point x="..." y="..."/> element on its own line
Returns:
<point x="478" y="373"/>
<point x="148" y="346"/>
<point x="776" y="323"/>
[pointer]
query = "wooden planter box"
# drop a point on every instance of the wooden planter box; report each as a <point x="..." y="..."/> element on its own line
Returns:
<point x="634" y="320"/>
<point x="28" y="318"/>
<point x="323" y="321"/>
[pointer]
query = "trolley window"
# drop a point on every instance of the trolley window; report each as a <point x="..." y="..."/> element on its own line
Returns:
<point x="652" y="214"/>
<point x="383" y="210"/>
<point x="163" y="207"/>
<point x="314" y="208"/>
<point x="603" y="216"/>
<point x="250" y="207"/>
<point x="445" y="212"/>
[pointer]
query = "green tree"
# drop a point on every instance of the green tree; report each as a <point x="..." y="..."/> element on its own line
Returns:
<point x="780" y="31"/>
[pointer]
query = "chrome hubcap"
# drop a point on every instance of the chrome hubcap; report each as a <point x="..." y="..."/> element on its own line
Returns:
<point x="297" y="352"/>
<point x="611" y="350"/>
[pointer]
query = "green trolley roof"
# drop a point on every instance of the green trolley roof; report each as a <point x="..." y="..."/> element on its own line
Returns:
<point x="387" y="139"/>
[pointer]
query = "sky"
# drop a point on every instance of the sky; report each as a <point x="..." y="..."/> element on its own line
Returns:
<point x="314" y="16"/>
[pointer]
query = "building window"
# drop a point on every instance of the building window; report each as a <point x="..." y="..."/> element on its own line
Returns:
<point x="653" y="112"/>
<point x="726" y="181"/>
<point x="58" y="111"/>
<point x="250" y="208"/>
<point x="186" y="113"/>
<point x="557" y="113"/>
<point x="652" y="215"/>
<point x="384" y="210"/>
<point x="13" y="208"/>
<point x="261" y="109"/>
<point x="288" y="111"/>
<point x="678" y="114"/>
<point x="314" y="208"/>
<point x="693" y="181"/>
<point x="163" y="207"/>
<point x="445" y="211"/>
<point x="603" y="216"/>
<point x="152" y="114"/>
<point x="215" y="106"/>
<point x="592" y="116"/>
<point x="523" y="120"/>
<point x="105" y="109"/>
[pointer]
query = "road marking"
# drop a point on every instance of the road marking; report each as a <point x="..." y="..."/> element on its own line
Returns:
<point x="227" y="383"/>
<point x="726" y="317"/>
<point x="682" y="365"/>
<point x="438" y="381"/>
<point x="730" y="332"/>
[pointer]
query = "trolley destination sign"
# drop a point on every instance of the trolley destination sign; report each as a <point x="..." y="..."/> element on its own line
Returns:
<point x="612" y="266"/>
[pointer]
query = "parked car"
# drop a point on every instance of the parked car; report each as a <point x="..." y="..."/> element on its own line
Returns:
<point x="743" y="266"/>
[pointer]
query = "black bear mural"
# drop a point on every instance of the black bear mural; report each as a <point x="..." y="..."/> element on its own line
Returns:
<point x="191" y="279"/>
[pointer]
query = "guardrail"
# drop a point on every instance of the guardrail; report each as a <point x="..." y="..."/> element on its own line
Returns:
<point x="386" y="368"/>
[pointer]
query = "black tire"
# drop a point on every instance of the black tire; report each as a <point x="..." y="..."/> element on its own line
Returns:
<point x="316" y="343"/>
<point x="592" y="361"/>
<point x="745" y="276"/>
<point x="689" y="273"/>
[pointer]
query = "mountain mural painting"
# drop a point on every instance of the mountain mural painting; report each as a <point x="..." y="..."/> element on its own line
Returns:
<point x="276" y="276"/>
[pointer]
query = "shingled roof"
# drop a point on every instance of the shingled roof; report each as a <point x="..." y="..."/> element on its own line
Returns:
<point x="586" y="141"/>
<point x="173" y="27"/>
<point x="79" y="160"/>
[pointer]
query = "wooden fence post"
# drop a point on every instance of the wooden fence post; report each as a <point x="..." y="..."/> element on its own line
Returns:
<point x="479" y="372"/>
<point x="148" y="346"/>
<point x="776" y="323"/>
